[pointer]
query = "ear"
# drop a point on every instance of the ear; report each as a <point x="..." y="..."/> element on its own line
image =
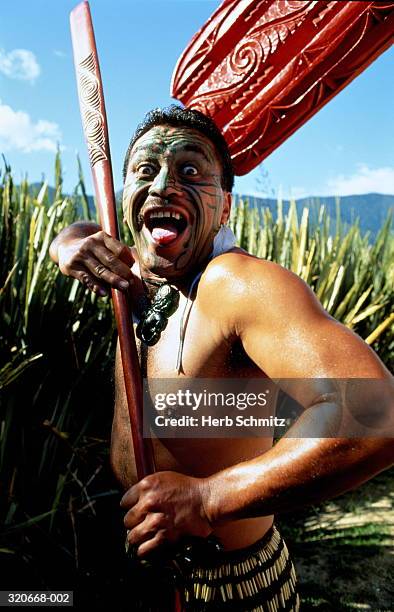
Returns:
<point x="226" y="207"/>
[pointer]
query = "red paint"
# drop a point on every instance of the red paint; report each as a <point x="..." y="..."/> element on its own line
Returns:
<point x="262" y="68"/>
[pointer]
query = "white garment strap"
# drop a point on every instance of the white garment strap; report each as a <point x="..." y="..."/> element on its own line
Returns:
<point x="224" y="241"/>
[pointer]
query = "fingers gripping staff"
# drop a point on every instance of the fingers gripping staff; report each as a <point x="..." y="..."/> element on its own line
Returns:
<point x="94" y="122"/>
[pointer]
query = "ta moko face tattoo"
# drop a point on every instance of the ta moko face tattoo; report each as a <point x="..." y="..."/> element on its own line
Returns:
<point x="173" y="199"/>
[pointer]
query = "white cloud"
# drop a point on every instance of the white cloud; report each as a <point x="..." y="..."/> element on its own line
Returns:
<point x="19" y="64"/>
<point x="19" y="133"/>
<point x="364" y="180"/>
<point x="59" y="53"/>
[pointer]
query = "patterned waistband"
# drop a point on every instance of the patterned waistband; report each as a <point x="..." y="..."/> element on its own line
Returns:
<point x="239" y="554"/>
<point x="259" y="578"/>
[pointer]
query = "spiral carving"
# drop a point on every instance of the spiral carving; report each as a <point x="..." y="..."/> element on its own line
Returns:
<point x="246" y="57"/>
<point x="265" y="73"/>
<point x="92" y="118"/>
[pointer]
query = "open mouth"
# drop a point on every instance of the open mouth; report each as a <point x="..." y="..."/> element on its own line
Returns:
<point x="165" y="226"/>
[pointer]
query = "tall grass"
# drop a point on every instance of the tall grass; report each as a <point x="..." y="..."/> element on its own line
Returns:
<point x="352" y="277"/>
<point x="56" y="349"/>
<point x="56" y="352"/>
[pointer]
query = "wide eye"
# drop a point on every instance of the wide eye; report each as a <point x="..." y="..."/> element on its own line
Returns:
<point x="146" y="170"/>
<point x="189" y="170"/>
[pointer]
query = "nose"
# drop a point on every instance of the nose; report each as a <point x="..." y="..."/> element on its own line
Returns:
<point x="164" y="184"/>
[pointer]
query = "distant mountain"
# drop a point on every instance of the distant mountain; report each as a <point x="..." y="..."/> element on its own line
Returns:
<point x="371" y="208"/>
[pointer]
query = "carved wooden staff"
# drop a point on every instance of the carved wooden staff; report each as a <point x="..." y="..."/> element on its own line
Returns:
<point x="94" y="120"/>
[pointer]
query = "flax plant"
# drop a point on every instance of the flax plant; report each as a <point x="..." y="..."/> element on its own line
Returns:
<point x="56" y="349"/>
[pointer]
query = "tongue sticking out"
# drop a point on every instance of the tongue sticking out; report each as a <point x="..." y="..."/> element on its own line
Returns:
<point x="164" y="235"/>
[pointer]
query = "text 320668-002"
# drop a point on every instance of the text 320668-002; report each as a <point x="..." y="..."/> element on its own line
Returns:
<point x="10" y="599"/>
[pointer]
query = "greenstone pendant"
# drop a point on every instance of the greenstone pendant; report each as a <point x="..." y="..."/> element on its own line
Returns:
<point x="154" y="320"/>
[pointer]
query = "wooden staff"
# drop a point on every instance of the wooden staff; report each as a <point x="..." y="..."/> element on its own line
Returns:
<point x="94" y="120"/>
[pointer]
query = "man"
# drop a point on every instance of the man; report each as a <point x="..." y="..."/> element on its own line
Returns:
<point x="237" y="317"/>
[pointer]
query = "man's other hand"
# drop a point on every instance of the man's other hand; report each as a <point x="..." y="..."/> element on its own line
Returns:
<point x="88" y="254"/>
<point x="164" y="507"/>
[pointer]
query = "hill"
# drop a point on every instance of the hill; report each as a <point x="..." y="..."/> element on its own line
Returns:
<point x="371" y="208"/>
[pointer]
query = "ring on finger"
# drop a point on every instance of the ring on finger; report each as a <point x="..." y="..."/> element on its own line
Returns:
<point x="99" y="270"/>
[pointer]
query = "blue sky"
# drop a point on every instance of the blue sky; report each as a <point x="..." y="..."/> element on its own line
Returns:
<point x="348" y="147"/>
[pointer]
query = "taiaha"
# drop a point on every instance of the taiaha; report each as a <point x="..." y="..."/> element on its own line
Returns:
<point x="94" y="120"/>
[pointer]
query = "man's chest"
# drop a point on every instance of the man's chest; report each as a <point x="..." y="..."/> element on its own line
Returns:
<point x="195" y="345"/>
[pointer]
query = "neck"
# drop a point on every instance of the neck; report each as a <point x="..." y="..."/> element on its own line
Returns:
<point x="182" y="283"/>
<point x="223" y="241"/>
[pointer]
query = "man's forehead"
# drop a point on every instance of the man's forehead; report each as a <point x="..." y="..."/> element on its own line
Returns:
<point x="165" y="137"/>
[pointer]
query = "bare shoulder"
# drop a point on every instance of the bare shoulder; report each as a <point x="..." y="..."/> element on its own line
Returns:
<point x="243" y="282"/>
<point x="240" y="265"/>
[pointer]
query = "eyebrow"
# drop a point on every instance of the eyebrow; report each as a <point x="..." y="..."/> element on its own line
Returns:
<point x="141" y="147"/>
<point x="195" y="149"/>
<point x="189" y="148"/>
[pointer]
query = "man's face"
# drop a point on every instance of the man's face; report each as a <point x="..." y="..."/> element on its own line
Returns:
<point x="173" y="200"/>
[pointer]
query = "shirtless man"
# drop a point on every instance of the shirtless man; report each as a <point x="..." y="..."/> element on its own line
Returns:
<point x="177" y="197"/>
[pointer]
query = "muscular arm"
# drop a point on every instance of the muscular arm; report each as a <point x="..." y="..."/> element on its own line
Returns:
<point x="284" y="329"/>
<point x="287" y="333"/>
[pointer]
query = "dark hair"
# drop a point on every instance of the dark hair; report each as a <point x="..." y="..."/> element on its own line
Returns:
<point x="185" y="117"/>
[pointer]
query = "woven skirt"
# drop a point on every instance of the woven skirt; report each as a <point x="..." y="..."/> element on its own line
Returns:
<point x="259" y="578"/>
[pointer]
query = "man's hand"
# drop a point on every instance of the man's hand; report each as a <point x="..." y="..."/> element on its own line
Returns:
<point x="88" y="254"/>
<point x="163" y="507"/>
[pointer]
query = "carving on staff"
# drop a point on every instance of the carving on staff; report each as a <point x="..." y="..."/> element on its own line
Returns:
<point x="92" y="118"/>
<point x="92" y="104"/>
